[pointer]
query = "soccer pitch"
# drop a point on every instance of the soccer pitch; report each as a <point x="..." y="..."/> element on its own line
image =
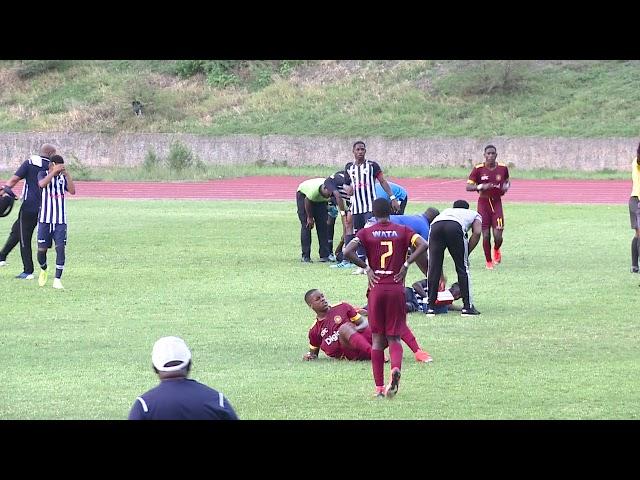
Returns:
<point x="557" y="339"/>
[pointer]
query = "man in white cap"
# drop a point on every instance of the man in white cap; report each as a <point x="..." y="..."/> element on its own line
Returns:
<point x="177" y="397"/>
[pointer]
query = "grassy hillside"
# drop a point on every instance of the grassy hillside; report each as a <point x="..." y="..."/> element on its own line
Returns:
<point x="344" y="98"/>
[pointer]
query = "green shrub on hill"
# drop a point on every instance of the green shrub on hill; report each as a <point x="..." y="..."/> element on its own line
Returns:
<point x="389" y="98"/>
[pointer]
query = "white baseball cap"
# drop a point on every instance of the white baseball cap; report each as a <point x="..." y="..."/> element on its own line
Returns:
<point x="170" y="349"/>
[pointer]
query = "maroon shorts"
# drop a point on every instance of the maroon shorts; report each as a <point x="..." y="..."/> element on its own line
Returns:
<point x="491" y="211"/>
<point x="387" y="311"/>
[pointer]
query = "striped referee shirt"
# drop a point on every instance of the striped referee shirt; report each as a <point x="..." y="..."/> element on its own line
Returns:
<point x="52" y="205"/>
<point x="362" y="177"/>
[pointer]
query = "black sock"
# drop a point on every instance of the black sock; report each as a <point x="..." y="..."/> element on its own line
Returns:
<point x="42" y="259"/>
<point x="634" y="252"/>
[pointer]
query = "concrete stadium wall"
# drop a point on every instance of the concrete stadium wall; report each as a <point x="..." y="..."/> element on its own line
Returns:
<point x="97" y="149"/>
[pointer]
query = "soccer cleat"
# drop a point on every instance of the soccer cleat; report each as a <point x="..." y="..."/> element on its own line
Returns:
<point x="633" y="269"/>
<point x="430" y="312"/>
<point x="331" y="257"/>
<point x="392" y="389"/>
<point x="469" y="312"/>
<point x="379" y="392"/>
<point x="324" y="259"/>
<point x="42" y="278"/>
<point x="57" y="284"/>
<point x="497" y="256"/>
<point x="306" y="260"/>
<point x="25" y="276"/>
<point x="343" y="264"/>
<point x="422" y="356"/>
<point x="3" y="263"/>
<point x="489" y="265"/>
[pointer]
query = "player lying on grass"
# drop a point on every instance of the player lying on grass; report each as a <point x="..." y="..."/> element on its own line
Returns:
<point x="341" y="332"/>
<point x="417" y="294"/>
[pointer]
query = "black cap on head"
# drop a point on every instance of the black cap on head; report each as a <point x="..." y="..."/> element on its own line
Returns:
<point x="57" y="159"/>
<point x="330" y="184"/>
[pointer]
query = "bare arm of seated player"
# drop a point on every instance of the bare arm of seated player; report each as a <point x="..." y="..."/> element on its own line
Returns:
<point x="312" y="354"/>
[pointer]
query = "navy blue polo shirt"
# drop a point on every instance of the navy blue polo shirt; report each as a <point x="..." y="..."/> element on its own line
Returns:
<point x="182" y="399"/>
<point x="31" y="191"/>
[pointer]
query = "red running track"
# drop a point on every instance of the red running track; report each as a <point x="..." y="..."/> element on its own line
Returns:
<point x="420" y="189"/>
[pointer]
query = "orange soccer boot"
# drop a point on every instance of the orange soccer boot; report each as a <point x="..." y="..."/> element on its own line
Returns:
<point x="422" y="356"/>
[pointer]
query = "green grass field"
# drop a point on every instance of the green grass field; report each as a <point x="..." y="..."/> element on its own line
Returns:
<point x="557" y="339"/>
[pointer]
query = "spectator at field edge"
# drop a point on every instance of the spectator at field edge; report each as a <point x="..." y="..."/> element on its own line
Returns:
<point x="177" y="397"/>
<point x="634" y="211"/>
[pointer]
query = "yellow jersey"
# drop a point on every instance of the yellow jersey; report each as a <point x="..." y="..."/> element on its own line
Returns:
<point x="635" y="176"/>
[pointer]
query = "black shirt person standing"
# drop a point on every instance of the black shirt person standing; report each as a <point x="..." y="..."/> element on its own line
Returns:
<point x="22" y="229"/>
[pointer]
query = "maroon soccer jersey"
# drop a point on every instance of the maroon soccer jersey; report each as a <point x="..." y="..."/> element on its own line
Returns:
<point x="324" y="332"/>
<point x="386" y="245"/>
<point x="497" y="176"/>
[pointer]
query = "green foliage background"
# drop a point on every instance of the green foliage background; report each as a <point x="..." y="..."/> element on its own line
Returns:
<point x="417" y="98"/>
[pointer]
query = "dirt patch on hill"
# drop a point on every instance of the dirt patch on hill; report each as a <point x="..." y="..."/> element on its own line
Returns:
<point x="335" y="71"/>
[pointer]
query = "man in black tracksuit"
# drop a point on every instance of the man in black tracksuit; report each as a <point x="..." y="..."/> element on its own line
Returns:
<point x="22" y="229"/>
<point x="449" y="232"/>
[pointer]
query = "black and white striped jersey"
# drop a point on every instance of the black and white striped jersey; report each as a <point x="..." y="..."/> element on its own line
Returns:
<point x="52" y="206"/>
<point x="362" y="177"/>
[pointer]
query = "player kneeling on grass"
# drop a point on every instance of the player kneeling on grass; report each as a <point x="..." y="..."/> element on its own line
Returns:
<point x="341" y="332"/>
<point x="52" y="221"/>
